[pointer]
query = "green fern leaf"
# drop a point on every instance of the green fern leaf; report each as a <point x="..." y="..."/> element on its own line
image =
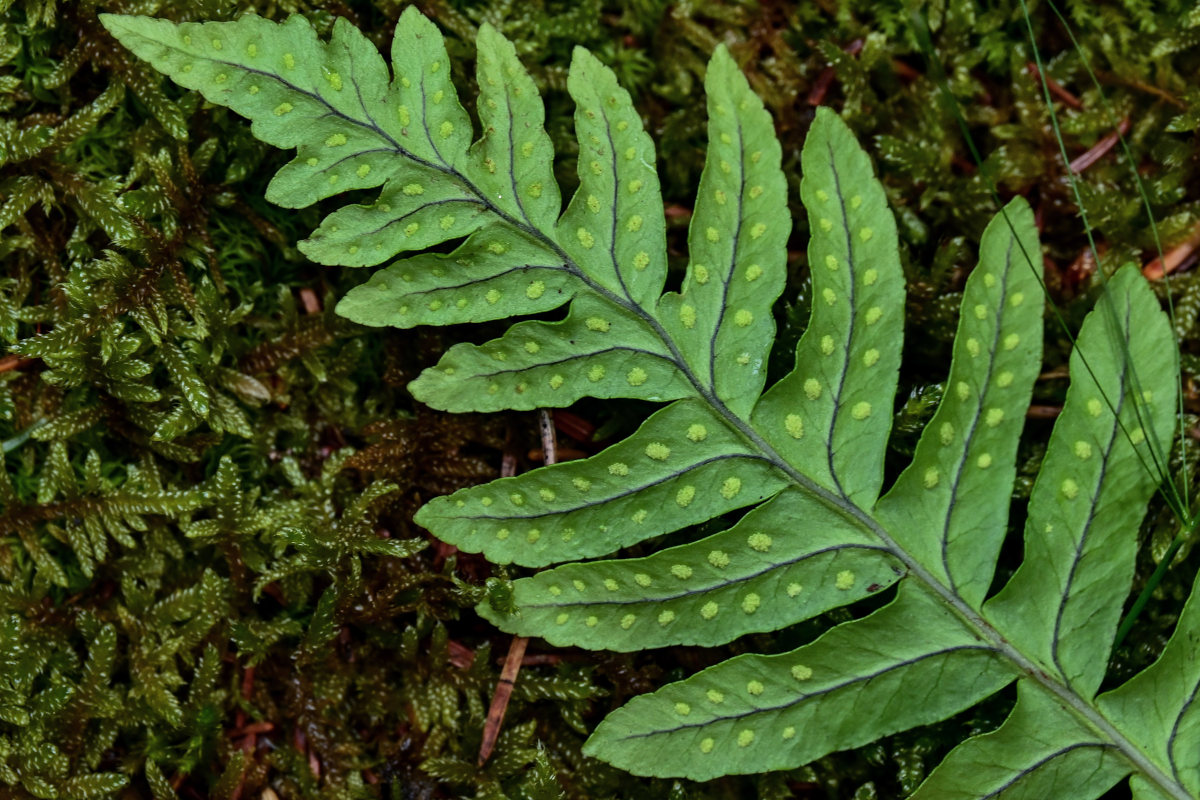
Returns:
<point x="733" y="580"/>
<point x="848" y="358"/>
<point x="1159" y="705"/>
<point x="683" y="466"/>
<point x="860" y="681"/>
<point x="336" y="104"/>
<point x="1080" y="536"/>
<point x="506" y="276"/>
<point x="968" y="449"/>
<point x="1040" y="751"/>
<point x="804" y="458"/>
<point x="737" y="245"/>
<point x="600" y="350"/>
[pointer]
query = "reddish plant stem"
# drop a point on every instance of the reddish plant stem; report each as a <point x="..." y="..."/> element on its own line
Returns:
<point x="310" y="301"/>
<point x="574" y="426"/>
<point x="820" y="87"/>
<point x="253" y="729"/>
<point x="1055" y="88"/>
<point x="14" y="362"/>
<point x="1043" y="412"/>
<point x="538" y="659"/>
<point x="516" y="650"/>
<point x="250" y="736"/>
<point x="1099" y="149"/>
<point x="1175" y="258"/>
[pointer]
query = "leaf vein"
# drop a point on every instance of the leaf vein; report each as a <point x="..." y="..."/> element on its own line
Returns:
<point x="620" y="495"/>
<point x="862" y="678"/>
<point x="1080" y="543"/>
<point x="724" y="584"/>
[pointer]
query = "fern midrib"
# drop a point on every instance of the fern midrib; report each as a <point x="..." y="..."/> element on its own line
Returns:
<point x="749" y="576"/>
<point x="851" y="293"/>
<point x="1104" y="463"/>
<point x="827" y="690"/>
<point x="969" y="439"/>
<point x="609" y="498"/>
<point x="612" y="232"/>
<point x="733" y="248"/>
<point x="1025" y="666"/>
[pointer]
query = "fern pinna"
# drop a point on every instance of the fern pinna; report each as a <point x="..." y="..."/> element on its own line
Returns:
<point x="805" y="456"/>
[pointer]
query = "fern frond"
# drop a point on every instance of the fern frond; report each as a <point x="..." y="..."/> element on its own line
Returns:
<point x="805" y="457"/>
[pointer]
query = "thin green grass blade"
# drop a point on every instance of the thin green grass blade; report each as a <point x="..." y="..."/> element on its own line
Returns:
<point x="1154" y="457"/>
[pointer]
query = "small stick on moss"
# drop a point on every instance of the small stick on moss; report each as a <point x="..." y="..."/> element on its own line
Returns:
<point x="575" y="426"/>
<point x="1174" y="258"/>
<point x="1043" y="412"/>
<point x="14" y="362"/>
<point x="1082" y="267"/>
<point x="1056" y="88"/>
<point x="516" y="650"/>
<point x="314" y="763"/>
<point x="1097" y="151"/>
<point x="538" y="659"/>
<point x="459" y="655"/>
<point x="565" y="454"/>
<point x="310" y="301"/>
<point x="250" y="736"/>
<point x="820" y="87"/>
<point x="254" y="728"/>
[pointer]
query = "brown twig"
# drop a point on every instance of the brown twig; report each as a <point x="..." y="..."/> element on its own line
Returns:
<point x="1174" y="258"/>
<point x="253" y="729"/>
<point x="516" y="650"/>
<point x="1055" y="87"/>
<point x="251" y="738"/>
<point x="1099" y="149"/>
<point x="574" y="426"/>
<point x="565" y="454"/>
<point x="816" y="95"/>
<point x="905" y="71"/>
<point x="459" y="655"/>
<point x="504" y="690"/>
<point x="1043" y="412"/>
<point x="13" y="362"/>
<point x="538" y="659"/>
<point x="310" y="301"/>
<point x="1106" y="77"/>
<point x="314" y="763"/>
<point x="1083" y="266"/>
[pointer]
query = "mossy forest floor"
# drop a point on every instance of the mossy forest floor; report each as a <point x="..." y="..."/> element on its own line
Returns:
<point x="206" y="582"/>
